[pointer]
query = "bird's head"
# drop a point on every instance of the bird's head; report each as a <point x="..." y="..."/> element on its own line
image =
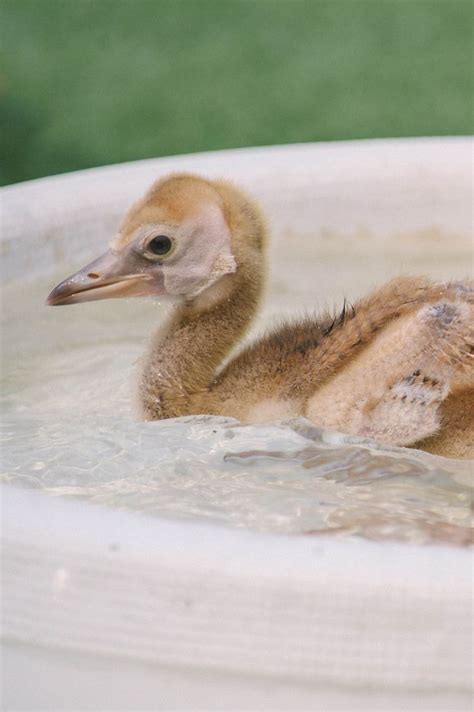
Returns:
<point x="178" y="240"/>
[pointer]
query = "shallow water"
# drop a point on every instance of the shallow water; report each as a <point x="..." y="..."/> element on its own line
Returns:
<point x="68" y="429"/>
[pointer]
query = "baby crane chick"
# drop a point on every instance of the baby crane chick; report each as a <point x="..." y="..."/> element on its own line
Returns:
<point x="397" y="367"/>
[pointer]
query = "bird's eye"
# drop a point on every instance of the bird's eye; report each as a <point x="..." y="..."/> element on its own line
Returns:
<point x="160" y="245"/>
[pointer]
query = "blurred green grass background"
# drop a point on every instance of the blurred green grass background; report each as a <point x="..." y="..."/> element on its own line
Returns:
<point x="91" y="82"/>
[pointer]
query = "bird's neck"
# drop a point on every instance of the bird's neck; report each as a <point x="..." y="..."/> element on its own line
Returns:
<point x="188" y="350"/>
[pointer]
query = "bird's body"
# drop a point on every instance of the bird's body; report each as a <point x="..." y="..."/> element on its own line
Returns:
<point x="396" y="366"/>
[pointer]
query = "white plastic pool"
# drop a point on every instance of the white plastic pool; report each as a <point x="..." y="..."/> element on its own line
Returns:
<point x="108" y="609"/>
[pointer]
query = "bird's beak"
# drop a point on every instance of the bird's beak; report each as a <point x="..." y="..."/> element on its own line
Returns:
<point x="111" y="275"/>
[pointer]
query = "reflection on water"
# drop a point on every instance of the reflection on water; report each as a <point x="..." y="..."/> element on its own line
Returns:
<point x="67" y="429"/>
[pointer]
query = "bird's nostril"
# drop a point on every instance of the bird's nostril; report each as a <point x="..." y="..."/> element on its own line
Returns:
<point x="93" y="275"/>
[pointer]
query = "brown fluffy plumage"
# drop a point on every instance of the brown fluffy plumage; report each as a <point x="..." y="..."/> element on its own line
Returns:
<point x="397" y="365"/>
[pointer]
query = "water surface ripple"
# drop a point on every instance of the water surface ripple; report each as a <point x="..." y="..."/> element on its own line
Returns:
<point x="68" y="430"/>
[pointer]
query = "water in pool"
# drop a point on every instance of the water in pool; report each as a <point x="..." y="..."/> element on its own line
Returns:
<point x="69" y="430"/>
